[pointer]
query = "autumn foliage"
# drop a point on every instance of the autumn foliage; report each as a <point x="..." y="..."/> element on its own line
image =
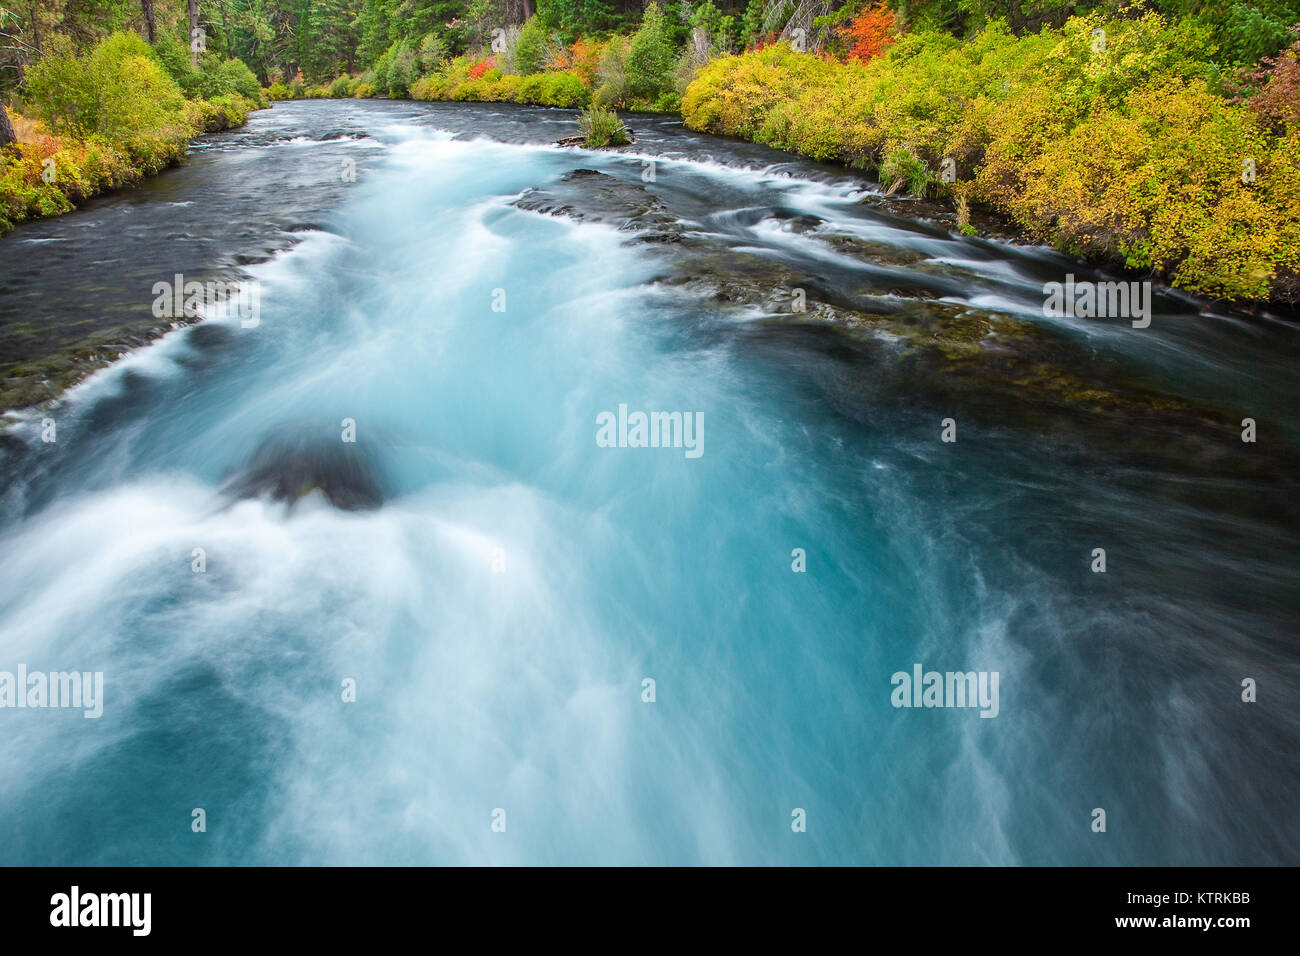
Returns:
<point x="1130" y="157"/>
<point x="869" y="33"/>
<point x="584" y="59"/>
<point x="1277" y="80"/>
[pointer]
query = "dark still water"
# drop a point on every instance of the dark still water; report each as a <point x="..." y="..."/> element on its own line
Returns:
<point x="498" y="587"/>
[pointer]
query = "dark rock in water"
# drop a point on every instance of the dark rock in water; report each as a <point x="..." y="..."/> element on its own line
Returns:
<point x="593" y="196"/>
<point x="289" y="466"/>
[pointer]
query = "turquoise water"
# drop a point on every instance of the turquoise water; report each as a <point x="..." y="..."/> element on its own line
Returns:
<point x="500" y="612"/>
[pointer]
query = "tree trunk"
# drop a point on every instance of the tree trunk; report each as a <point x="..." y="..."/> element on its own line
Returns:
<point x="528" y="10"/>
<point x="150" y="22"/>
<point x="36" y="27"/>
<point x="194" y="29"/>
<point x="7" y="136"/>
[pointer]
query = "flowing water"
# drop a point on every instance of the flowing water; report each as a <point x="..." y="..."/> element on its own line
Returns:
<point x="502" y="608"/>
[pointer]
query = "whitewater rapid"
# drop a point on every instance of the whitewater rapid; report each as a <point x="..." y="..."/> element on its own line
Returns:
<point x="498" y="616"/>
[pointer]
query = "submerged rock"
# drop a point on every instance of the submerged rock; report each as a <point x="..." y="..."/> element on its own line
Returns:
<point x="593" y="196"/>
<point x="290" y="465"/>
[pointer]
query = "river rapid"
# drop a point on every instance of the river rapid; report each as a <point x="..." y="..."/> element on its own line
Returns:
<point x="499" y="607"/>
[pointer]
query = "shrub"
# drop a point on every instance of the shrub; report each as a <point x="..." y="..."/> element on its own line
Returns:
<point x="670" y="102"/>
<point x="751" y="24"/>
<point x="584" y="59"/>
<point x="602" y="127"/>
<point x="1251" y="31"/>
<point x="402" y="69"/>
<point x="234" y="76"/>
<point x="431" y="53"/>
<point x="1276" y="101"/>
<point x="118" y="91"/>
<point x="175" y="59"/>
<point x="219" y="113"/>
<point x="1126" y="153"/>
<point x="869" y="32"/>
<point x="453" y="74"/>
<point x="84" y="169"/>
<point x="426" y="88"/>
<point x="902" y="167"/>
<point x="213" y="77"/>
<point x="530" y="48"/>
<point x="651" y="60"/>
<point x="506" y="88"/>
<point x="733" y="95"/>
<point x="553" y="89"/>
<point x="611" y="73"/>
<point x="492" y="87"/>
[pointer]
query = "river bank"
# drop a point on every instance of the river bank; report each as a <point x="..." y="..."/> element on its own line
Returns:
<point x="44" y="350"/>
<point x="110" y="118"/>
<point x="120" y="243"/>
<point x="1113" y="140"/>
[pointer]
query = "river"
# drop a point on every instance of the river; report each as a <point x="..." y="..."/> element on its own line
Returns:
<point x="498" y="615"/>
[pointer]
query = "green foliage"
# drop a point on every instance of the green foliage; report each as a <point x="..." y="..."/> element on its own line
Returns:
<point x="611" y="74"/>
<point x="602" y="127"/>
<point x="83" y="170"/>
<point x="219" y="113"/>
<point x="751" y="24"/>
<point x="432" y="51"/>
<point x="452" y="82"/>
<point x="556" y="89"/>
<point x="111" y="116"/>
<point x="574" y="18"/>
<point x="234" y="76"/>
<point x="722" y="29"/>
<point x="382" y="66"/>
<point x="401" y="68"/>
<point x="214" y="76"/>
<point x="117" y="91"/>
<point x="1251" y="31"/>
<point x="903" y="168"/>
<point x="652" y="59"/>
<point x="530" y="48"/>
<point x="327" y="36"/>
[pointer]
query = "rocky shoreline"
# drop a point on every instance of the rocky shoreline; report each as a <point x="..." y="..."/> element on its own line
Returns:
<point x="997" y="370"/>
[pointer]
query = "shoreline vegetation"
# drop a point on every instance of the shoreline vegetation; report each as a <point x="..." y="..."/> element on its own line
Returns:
<point x="1159" y="136"/>
<point x="1135" y="141"/>
<point x="91" y="122"/>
